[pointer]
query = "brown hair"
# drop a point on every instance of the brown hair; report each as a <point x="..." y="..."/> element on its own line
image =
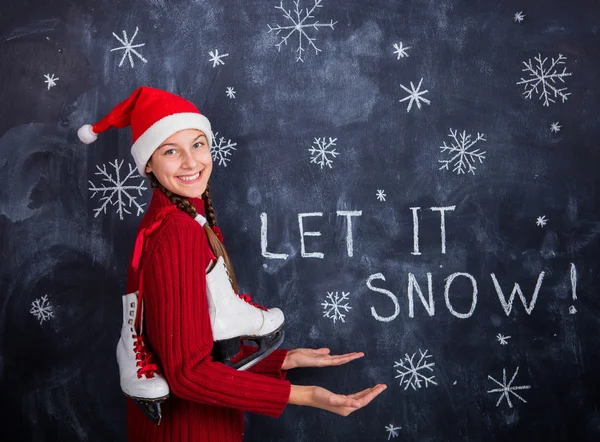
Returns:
<point x="184" y="204"/>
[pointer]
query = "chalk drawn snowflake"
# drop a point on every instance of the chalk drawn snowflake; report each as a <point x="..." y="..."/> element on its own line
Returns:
<point x="411" y="373"/>
<point x="42" y="309"/>
<point x="332" y="308"/>
<point x="230" y="92"/>
<point x="221" y="149"/>
<point x="414" y="95"/>
<point x="116" y="191"/>
<point x="321" y="151"/>
<point x="463" y="157"/>
<point x="50" y="80"/>
<point x="507" y="388"/>
<point x="541" y="221"/>
<point x="392" y="431"/>
<point x="545" y="77"/>
<point x="401" y="50"/>
<point x="129" y="47"/>
<point x="555" y="127"/>
<point x="503" y="340"/>
<point x="298" y="20"/>
<point x="381" y="195"/>
<point x="519" y="16"/>
<point x="216" y="58"/>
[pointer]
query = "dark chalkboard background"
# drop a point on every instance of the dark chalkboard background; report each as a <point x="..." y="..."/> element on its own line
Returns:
<point x="59" y="378"/>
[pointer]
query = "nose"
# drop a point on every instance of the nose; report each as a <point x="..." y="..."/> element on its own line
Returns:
<point x="189" y="162"/>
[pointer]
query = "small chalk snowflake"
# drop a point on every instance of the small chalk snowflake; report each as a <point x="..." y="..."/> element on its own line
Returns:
<point x="50" y="80"/>
<point x="463" y="157"/>
<point x="572" y="310"/>
<point x="555" y="127"/>
<point x="115" y="191"/>
<point x="545" y="77"/>
<point x="411" y="373"/>
<point x="216" y="58"/>
<point x="414" y="95"/>
<point x="221" y="149"/>
<point x="381" y="195"/>
<point x="401" y="50"/>
<point x="519" y="16"/>
<point x="321" y="151"/>
<point x="333" y="306"/>
<point x="503" y="340"/>
<point x="508" y="388"/>
<point x="299" y="22"/>
<point x="541" y="221"/>
<point x="392" y="431"/>
<point x="230" y="92"/>
<point x="129" y="48"/>
<point x="42" y="309"/>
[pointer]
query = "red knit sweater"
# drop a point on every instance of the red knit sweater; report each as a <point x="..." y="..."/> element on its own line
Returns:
<point x="207" y="398"/>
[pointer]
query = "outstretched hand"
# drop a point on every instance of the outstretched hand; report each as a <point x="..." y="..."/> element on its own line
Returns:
<point x="321" y="357"/>
<point x="336" y="403"/>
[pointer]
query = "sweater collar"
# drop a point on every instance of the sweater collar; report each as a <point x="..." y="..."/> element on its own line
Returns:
<point x="160" y="200"/>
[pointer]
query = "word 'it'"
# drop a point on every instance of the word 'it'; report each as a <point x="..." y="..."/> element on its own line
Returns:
<point x="349" y="214"/>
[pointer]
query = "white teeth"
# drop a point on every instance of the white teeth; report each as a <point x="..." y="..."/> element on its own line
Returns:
<point x="189" y="178"/>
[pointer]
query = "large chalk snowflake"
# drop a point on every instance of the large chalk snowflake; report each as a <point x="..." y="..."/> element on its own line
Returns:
<point x="321" y="151"/>
<point x="411" y="374"/>
<point x="544" y="77"/>
<point x="508" y="388"/>
<point x="221" y="149"/>
<point x="129" y="48"/>
<point x="115" y="191"/>
<point x="463" y="157"/>
<point x="41" y="309"/>
<point x="298" y="23"/>
<point x="332" y="308"/>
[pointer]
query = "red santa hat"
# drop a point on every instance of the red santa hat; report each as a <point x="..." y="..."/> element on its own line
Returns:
<point x="154" y="115"/>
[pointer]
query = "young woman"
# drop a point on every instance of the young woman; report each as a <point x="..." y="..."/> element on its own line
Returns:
<point x="207" y="399"/>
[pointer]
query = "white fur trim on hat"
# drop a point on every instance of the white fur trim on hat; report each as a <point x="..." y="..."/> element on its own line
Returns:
<point x="155" y="135"/>
<point x="200" y="219"/>
<point x="86" y="134"/>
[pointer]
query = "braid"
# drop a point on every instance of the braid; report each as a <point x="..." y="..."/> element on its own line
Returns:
<point x="208" y="207"/>
<point x="184" y="204"/>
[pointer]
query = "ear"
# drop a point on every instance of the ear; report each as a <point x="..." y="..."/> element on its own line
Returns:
<point x="148" y="169"/>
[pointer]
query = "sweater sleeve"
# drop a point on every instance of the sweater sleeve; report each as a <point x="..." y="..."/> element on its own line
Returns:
<point x="179" y="331"/>
<point x="269" y="366"/>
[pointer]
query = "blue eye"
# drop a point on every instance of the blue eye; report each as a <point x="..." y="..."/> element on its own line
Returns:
<point x="170" y="150"/>
<point x="198" y="144"/>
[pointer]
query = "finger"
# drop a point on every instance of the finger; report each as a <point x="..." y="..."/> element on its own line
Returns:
<point x="341" y="359"/>
<point x="365" y="397"/>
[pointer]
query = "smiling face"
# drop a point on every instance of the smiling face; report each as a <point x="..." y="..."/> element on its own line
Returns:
<point x="182" y="163"/>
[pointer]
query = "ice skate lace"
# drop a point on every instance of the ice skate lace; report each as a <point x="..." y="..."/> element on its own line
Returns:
<point x="145" y="361"/>
<point x="248" y="299"/>
<point x="245" y="296"/>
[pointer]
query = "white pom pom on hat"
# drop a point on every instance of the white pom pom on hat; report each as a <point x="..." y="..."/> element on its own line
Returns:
<point x="154" y="115"/>
<point x="86" y="134"/>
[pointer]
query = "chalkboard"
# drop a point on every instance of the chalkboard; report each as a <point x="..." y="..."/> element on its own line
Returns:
<point x="417" y="180"/>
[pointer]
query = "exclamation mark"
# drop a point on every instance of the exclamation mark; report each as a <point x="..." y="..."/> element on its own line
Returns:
<point x="572" y="309"/>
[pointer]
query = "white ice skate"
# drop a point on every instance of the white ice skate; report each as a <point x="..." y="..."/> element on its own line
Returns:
<point x="139" y="373"/>
<point x="235" y="317"/>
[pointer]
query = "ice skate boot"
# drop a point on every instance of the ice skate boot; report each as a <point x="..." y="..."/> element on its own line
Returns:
<point x="139" y="374"/>
<point x="234" y="317"/>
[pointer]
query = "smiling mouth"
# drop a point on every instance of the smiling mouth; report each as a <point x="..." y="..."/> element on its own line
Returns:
<point x="190" y="178"/>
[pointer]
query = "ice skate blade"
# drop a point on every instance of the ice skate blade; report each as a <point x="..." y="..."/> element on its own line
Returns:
<point x="151" y="409"/>
<point x="267" y="345"/>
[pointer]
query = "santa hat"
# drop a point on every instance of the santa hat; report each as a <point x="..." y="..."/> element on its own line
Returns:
<point x="154" y="115"/>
